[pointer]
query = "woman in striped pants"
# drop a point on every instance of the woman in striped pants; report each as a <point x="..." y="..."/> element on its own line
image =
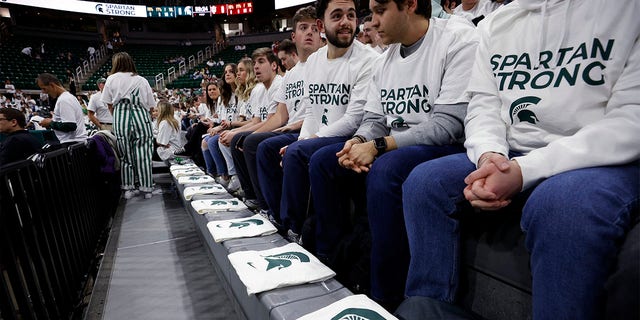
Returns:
<point x="129" y="97"/>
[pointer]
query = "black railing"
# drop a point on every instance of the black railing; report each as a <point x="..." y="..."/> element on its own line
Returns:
<point x="52" y="213"/>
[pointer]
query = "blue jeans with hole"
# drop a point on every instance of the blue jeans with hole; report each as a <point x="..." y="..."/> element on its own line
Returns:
<point x="574" y="222"/>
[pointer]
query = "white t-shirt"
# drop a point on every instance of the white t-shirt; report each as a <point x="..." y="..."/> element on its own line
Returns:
<point x="167" y="135"/>
<point x="336" y="91"/>
<point x="125" y="85"/>
<point x="291" y="92"/>
<point x="405" y="90"/>
<point x="262" y="101"/>
<point x="228" y="112"/>
<point x="476" y="11"/>
<point x="68" y="109"/>
<point x="100" y="108"/>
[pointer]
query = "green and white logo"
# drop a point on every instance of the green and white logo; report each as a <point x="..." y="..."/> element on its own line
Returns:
<point x="240" y="224"/>
<point x="223" y="202"/>
<point x="285" y="259"/>
<point x="325" y="121"/>
<point x="399" y="123"/>
<point x="358" y="314"/>
<point x="519" y="109"/>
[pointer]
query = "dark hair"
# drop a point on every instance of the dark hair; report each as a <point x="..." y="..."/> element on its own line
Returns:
<point x="368" y="18"/>
<point x="47" y="79"/>
<point x="288" y="47"/>
<point x="11" y="114"/>
<point x="423" y="9"/>
<point x="122" y="62"/>
<point x="267" y="52"/>
<point x="321" y="7"/>
<point x="305" y="13"/>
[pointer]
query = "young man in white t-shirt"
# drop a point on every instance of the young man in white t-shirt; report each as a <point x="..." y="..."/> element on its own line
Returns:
<point x="336" y="78"/>
<point x="68" y="119"/>
<point x="262" y="148"/>
<point x="99" y="112"/>
<point x="261" y="105"/>
<point x="552" y="133"/>
<point x="410" y="117"/>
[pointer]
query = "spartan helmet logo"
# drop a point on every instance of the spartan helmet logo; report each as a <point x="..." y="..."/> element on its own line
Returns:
<point x="357" y="314"/>
<point x="519" y="108"/>
<point x="99" y="8"/>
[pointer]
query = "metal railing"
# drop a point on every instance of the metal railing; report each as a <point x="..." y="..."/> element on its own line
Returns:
<point x="51" y="218"/>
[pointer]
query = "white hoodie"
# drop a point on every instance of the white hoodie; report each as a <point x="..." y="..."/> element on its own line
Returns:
<point x="557" y="82"/>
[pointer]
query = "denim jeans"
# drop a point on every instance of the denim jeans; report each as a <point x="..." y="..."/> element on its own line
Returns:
<point x="241" y="165"/>
<point x="389" y="247"/>
<point x="269" y="171"/>
<point x="295" y="180"/>
<point x="209" y="159"/>
<point x="574" y="222"/>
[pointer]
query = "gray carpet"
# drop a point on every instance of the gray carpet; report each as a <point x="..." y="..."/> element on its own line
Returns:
<point x="160" y="269"/>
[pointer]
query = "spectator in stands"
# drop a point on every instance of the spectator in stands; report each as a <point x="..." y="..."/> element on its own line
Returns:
<point x="245" y="81"/>
<point x="91" y="50"/>
<point x="10" y="89"/>
<point x="398" y="132"/>
<point x="262" y="148"/>
<point x="68" y="120"/>
<point x="263" y="105"/>
<point x="288" y="54"/>
<point x="130" y="96"/>
<point x="564" y="151"/>
<point x="211" y="63"/>
<point x="19" y="144"/>
<point x="228" y="111"/>
<point x="372" y="33"/>
<point x="168" y="139"/>
<point x="337" y="76"/>
<point x="99" y="112"/>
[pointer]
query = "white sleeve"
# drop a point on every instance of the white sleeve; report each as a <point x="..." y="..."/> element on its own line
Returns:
<point x="484" y="128"/>
<point x="67" y="109"/>
<point x="92" y="103"/>
<point x="352" y="117"/>
<point x="164" y="133"/>
<point x="107" y="95"/>
<point x="612" y="140"/>
<point x="309" y="126"/>
<point x="146" y="92"/>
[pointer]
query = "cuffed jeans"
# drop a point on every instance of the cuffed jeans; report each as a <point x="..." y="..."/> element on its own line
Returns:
<point x="574" y="222"/>
<point x="389" y="248"/>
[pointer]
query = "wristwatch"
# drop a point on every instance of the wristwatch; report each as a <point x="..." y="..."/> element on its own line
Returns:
<point x="380" y="144"/>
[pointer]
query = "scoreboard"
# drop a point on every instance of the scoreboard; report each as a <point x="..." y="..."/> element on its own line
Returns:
<point x="200" y="11"/>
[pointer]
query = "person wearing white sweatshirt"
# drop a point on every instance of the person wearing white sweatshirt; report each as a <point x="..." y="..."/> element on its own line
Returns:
<point x="336" y="78"/>
<point x="553" y="123"/>
<point x="409" y="118"/>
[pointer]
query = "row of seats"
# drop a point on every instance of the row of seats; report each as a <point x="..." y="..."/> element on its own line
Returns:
<point x="289" y="302"/>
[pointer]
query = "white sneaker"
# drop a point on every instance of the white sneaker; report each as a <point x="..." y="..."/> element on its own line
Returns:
<point x="148" y="195"/>
<point x="222" y="181"/>
<point x="234" y="184"/>
<point x="128" y="194"/>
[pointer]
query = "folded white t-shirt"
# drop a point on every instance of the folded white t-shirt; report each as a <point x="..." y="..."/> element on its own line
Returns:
<point x="253" y="226"/>
<point x="189" y="192"/>
<point x="196" y="179"/>
<point x="213" y="205"/>
<point x="187" y="172"/>
<point x="352" y="307"/>
<point x="278" y="267"/>
<point x="182" y="167"/>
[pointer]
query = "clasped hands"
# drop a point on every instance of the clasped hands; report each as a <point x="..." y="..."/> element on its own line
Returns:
<point x="356" y="155"/>
<point x="493" y="185"/>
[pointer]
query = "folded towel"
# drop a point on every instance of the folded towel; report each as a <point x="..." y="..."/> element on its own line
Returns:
<point x="196" y="180"/>
<point x="213" y="205"/>
<point x="352" y="307"/>
<point x="253" y="226"/>
<point x="189" y="192"/>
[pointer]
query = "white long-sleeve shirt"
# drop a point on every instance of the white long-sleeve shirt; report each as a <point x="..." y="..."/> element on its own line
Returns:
<point x="336" y="91"/>
<point x="566" y="99"/>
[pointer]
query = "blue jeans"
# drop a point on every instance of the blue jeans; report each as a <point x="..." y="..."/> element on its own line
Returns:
<point x="295" y="180"/>
<point x="208" y="158"/>
<point x="269" y="171"/>
<point x="216" y="155"/>
<point x="574" y="223"/>
<point x="389" y="247"/>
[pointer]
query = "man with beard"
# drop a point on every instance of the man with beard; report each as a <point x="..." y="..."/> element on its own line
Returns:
<point x="336" y="80"/>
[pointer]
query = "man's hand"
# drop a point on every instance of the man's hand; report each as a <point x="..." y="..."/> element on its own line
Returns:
<point x="362" y="156"/>
<point x="226" y="137"/>
<point x="494" y="183"/>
